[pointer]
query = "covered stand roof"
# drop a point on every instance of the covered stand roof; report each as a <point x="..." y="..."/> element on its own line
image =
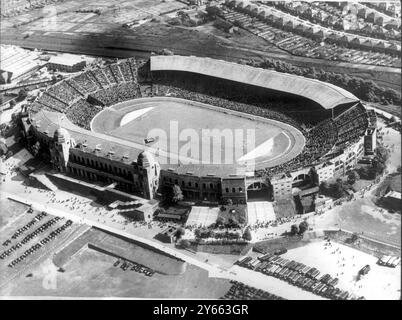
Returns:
<point x="325" y="94"/>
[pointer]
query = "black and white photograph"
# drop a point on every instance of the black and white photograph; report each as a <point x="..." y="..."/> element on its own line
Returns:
<point x="200" y="150"/>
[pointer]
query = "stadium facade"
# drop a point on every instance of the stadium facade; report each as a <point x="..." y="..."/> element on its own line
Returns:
<point x="54" y="121"/>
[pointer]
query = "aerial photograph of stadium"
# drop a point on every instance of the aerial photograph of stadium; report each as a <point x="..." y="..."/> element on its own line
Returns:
<point x="200" y="149"/>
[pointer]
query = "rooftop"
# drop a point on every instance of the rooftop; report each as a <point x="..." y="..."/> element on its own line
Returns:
<point x="325" y="94"/>
<point x="66" y="59"/>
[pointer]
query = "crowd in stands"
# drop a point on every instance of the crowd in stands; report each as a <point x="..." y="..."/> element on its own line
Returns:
<point x="81" y="113"/>
<point x="319" y="141"/>
<point x="117" y="93"/>
<point x="109" y="75"/>
<point x="105" y="85"/>
<point x="86" y="83"/>
<point x="351" y="124"/>
<point x="52" y="103"/>
<point x="64" y="92"/>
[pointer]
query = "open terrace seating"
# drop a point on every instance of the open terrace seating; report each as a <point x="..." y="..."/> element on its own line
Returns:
<point x="82" y="112"/>
<point x="109" y="75"/>
<point x="114" y="68"/>
<point x="52" y="103"/>
<point x="100" y="77"/>
<point x="85" y="82"/>
<point x="126" y="71"/>
<point x="62" y="91"/>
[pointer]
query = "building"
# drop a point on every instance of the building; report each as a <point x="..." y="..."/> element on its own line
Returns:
<point x="66" y="63"/>
<point x="370" y="141"/>
<point x="90" y="161"/>
<point x="17" y="63"/>
<point x="392" y="200"/>
<point x="74" y="151"/>
<point x="168" y="235"/>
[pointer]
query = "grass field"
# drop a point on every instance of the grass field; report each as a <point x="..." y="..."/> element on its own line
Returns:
<point x="91" y="274"/>
<point x="185" y="128"/>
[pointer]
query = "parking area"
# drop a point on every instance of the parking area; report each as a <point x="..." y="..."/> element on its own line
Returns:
<point x="202" y="216"/>
<point x="344" y="263"/>
<point x="29" y="239"/>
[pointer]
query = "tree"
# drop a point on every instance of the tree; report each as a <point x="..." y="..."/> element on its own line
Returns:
<point x="323" y="188"/>
<point x="3" y="148"/>
<point x="166" y="52"/>
<point x="242" y="220"/>
<point x="336" y="189"/>
<point x="299" y="204"/>
<point x="185" y="244"/>
<point x="180" y="233"/>
<point x="219" y="222"/>
<point x="177" y="194"/>
<point x="36" y="149"/>
<point x="247" y="234"/>
<point x="197" y="233"/>
<point x="238" y="23"/>
<point x="294" y="229"/>
<point x="213" y="11"/>
<point x="314" y="176"/>
<point x="303" y="227"/>
<point x="232" y="222"/>
<point x="354" y="237"/>
<point x="22" y="94"/>
<point x="159" y="211"/>
<point x="353" y="176"/>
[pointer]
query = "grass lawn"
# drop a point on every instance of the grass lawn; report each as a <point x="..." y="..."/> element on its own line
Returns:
<point x="284" y="208"/>
<point x="240" y="213"/>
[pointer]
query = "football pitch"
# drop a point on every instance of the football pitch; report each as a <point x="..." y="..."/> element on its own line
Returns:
<point x="202" y="134"/>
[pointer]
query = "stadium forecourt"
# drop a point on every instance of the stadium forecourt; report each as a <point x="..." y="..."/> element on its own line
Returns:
<point x="330" y="127"/>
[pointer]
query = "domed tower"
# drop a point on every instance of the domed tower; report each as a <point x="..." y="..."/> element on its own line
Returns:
<point x="149" y="170"/>
<point x="61" y="149"/>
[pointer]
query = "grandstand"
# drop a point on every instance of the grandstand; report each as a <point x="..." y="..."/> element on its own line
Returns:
<point x="333" y="131"/>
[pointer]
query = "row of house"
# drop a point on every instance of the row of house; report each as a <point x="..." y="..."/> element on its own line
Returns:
<point x="370" y="15"/>
<point x="312" y="31"/>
